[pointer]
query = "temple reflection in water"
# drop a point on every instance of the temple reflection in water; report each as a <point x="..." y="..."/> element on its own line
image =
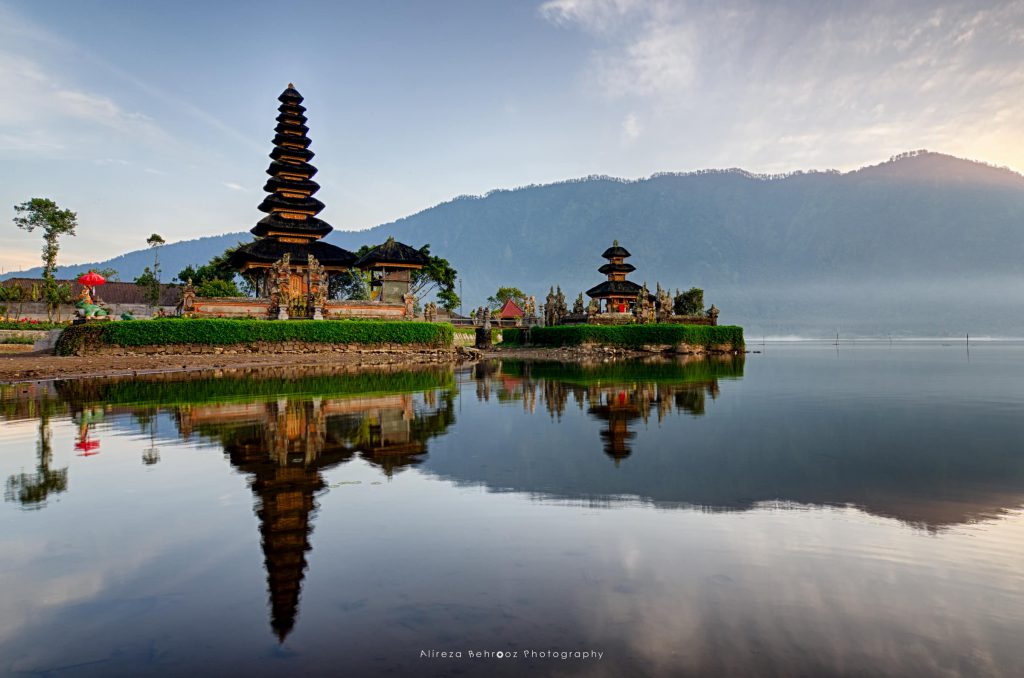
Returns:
<point x="622" y="396"/>
<point x="285" y="445"/>
<point x="285" y="428"/>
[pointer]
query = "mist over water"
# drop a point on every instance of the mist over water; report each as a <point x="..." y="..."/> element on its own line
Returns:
<point x="899" y="308"/>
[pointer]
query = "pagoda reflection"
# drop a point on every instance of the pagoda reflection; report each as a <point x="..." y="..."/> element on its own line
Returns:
<point x="285" y="445"/>
<point x="617" y="394"/>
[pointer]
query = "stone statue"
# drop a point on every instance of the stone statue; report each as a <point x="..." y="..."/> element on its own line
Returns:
<point x="664" y="304"/>
<point x="317" y="287"/>
<point x="531" y="307"/>
<point x="593" y="308"/>
<point x="430" y="312"/>
<point x="644" y="308"/>
<point x="410" y="305"/>
<point x="87" y="308"/>
<point x="577" y="306"/>
<point x="487" y="319"/>
<point x="280" y="287"/>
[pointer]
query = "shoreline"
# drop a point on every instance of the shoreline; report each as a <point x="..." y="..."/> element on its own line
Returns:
<point x="44" y="366"/>
<point x="20" y="367"/>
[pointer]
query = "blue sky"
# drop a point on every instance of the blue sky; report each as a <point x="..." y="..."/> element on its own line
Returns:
<point x="157" y="116"/>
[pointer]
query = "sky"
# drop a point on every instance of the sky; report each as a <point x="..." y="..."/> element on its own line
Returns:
<point x="151" y="117"/>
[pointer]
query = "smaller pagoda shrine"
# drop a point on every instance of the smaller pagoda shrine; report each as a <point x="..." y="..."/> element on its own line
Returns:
<point x="391" y="266"/>
<point x="616" y="294"/>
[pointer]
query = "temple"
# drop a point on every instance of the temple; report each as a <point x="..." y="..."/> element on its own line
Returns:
<point x="291" y="268"/>
<point x="291" y="228"/>
<point x="616" y="294"/>
<point x="391" y="267"/>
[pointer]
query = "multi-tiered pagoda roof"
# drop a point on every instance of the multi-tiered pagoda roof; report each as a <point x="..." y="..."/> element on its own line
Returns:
<point x="616" y="288"/>
<point x="291" y="225"/>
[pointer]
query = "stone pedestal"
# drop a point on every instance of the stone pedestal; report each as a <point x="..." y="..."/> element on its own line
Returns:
<point x="282" y="313"/>
<point x="483" y="338"/>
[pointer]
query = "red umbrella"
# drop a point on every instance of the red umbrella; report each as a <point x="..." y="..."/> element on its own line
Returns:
<point x="91" y="279"/>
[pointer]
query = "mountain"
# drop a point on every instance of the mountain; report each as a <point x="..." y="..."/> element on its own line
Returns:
<point x="923" y="244"/>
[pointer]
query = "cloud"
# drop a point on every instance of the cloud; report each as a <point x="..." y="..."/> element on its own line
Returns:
<point x="758" y="80"/>
<point x="236" y="187"/>
<point x="45" y="106"/>
<point x="630" y="127"/>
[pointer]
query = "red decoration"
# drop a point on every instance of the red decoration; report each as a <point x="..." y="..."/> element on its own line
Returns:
<point x="91" y="279"/>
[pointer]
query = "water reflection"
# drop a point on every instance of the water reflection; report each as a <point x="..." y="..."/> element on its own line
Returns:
<point x="31" y="490"/>
<point x="282" y="431"/>
<point x="284" y="446"/>
<point x="675" y="430"/>
<point x="622" y="395"/>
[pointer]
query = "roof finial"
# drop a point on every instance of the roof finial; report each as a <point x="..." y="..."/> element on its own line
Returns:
<point x="615" y="243"/>
<point x="291" y="86"/>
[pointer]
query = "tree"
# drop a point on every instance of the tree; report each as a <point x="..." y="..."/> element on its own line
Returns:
<point x="215" y="287"/>
<point x="10" y="295"/>
<point x="504" y="294"/>
<point x="437" y="273"/>
<point x="150" y="278"/>
<point x="55" y="294"/>
<point x="151" y="286"/>
<point x="221" y="269"/>
<point x="155" y="241"/>
<point x="690" y="302"/>
<point x="45" y="214"/>
<point x="350" y="284"/>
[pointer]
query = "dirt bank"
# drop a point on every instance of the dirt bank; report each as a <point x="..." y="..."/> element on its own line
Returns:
<point x="38" y="366"/>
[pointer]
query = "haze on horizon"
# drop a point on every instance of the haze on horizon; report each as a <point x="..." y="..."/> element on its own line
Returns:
<point x="158" y="117"/>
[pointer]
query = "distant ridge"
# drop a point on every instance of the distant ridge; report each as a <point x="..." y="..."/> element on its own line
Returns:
<point x="921" y="244"/>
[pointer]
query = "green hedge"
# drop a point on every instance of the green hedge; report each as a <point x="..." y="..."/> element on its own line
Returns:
<point x="631" y="336"/>
<point x="513" y="336"/>
<point x="220" y="332"/>
<point x="17" y="340"/>
<point x="27" y="325"/>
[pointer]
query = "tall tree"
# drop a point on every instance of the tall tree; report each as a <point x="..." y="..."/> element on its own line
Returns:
<point x="150" y="278"/>
<point x="45" y="214"/>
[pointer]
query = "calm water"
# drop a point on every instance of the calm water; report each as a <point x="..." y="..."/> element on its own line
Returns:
<point x="805" y="511"/>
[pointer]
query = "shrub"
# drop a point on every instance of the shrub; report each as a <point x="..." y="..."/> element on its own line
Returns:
<point x="217" y="288"/>
<point x="514" y="336"/>
<point x="17" y="340"/>
<point x="633" y="336"/>
<point x="26" y="324"/>
<point x="218" y="332"/>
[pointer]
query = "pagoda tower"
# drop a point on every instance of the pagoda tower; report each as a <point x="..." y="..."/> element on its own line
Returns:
<point x="291" y="226"/>
<point x="618" y="294"/>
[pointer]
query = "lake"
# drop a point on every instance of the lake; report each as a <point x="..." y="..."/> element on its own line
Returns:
<point x="809" y="510"/>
